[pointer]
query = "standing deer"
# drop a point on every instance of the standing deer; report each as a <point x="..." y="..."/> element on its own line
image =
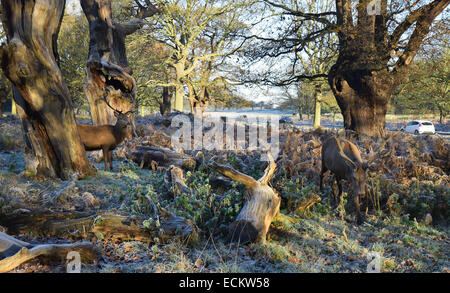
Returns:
<point x="107" y="137"/>
<point x="343" y="159"/>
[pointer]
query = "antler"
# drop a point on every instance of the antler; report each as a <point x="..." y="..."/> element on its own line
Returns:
<point x="115" y="110"/>
<point x="106" y="102"/>
<point x="375" y="154"/>
<point x="343" y="155"/>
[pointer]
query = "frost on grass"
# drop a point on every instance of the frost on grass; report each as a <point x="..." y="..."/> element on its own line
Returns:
<point x="407" y="209"/>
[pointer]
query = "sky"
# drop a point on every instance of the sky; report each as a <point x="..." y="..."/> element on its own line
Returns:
<point x="73" y="6"/>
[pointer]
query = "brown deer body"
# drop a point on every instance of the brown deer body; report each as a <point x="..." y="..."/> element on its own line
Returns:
<point x="106" y="137"/>
<point x="343" y="159"/>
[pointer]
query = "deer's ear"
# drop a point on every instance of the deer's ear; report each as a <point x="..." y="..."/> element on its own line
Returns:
<point x="116" y="114"/>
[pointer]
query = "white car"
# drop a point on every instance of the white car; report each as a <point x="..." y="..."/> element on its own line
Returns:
<point x="419" y="127"/>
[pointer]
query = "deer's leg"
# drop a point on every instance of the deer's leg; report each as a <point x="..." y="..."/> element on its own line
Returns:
<point x="333" y="192"/>
<point x="324" y="169"/>
<point x="341" y="193"/>
<point x="359" y="218"/>
<point x="110" y="160"/>
<point x="105" y="157"/>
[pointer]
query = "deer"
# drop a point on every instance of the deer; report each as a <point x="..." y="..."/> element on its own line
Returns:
<point x="343" y="159"/>
<point x="107" y="137"/>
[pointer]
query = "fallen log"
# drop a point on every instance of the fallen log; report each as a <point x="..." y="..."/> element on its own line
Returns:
<point x="36" y="221"/>
<point x="145" y="155"/>
<point x="261" y="206"/>
<point x="122" y="227"/>
<point x="110" y="224"/>
<point x="14" y="252"/>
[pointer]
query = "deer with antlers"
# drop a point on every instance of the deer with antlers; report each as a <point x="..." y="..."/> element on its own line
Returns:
<point x="107" y="137"/>
<point x="342" y="158"/>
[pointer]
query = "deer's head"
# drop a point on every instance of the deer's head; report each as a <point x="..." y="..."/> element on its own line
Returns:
<point x="124" y="123"/>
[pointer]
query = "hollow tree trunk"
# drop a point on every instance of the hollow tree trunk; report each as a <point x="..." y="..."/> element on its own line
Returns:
<point x="29" y="60"/>
<point x="107" y="69"/>
<point x="362" y="96"/>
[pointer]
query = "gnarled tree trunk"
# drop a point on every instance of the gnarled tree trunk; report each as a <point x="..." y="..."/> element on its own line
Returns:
<point x="363" y="97"/>
<point x="108" y="72"/>
<point x="29" y="60"/>
<point x="374" y="59"/>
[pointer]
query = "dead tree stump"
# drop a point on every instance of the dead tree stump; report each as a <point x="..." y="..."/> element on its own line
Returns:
<point x="262" y="204"/>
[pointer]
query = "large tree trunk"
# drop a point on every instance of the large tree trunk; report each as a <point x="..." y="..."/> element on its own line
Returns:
<point x="44" y="104"/>
<point x="363" y="98"/>
<point x="179" y="97"/>
<point x="107" y="69"/>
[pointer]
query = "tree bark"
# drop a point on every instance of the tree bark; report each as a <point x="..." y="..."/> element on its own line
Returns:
<point x="29" y="60"/>
<point x="108" y="74"/>
<point x="166" y="104"/>
<point x="179" y="96"/>
<point x="363" y="97"/>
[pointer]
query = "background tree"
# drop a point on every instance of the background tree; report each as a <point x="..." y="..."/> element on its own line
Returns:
<point x="147" y="57"/>
<point x="73" y="44"/>
<point x="377" y="43"/>
<point x="316" y="56"/>
<point x="221" y="35"/>
<point x="29" y="60"/>
<point x="428" y="86"/>
<point x="5" y="90"/>
<point x="5" y="85"/>
<point x="192" y="29"/>
<point x="297" y="97"/>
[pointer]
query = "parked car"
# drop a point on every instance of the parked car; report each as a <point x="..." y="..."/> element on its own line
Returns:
<point x="285" y="119"/>
<point x="419" y="127"/>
